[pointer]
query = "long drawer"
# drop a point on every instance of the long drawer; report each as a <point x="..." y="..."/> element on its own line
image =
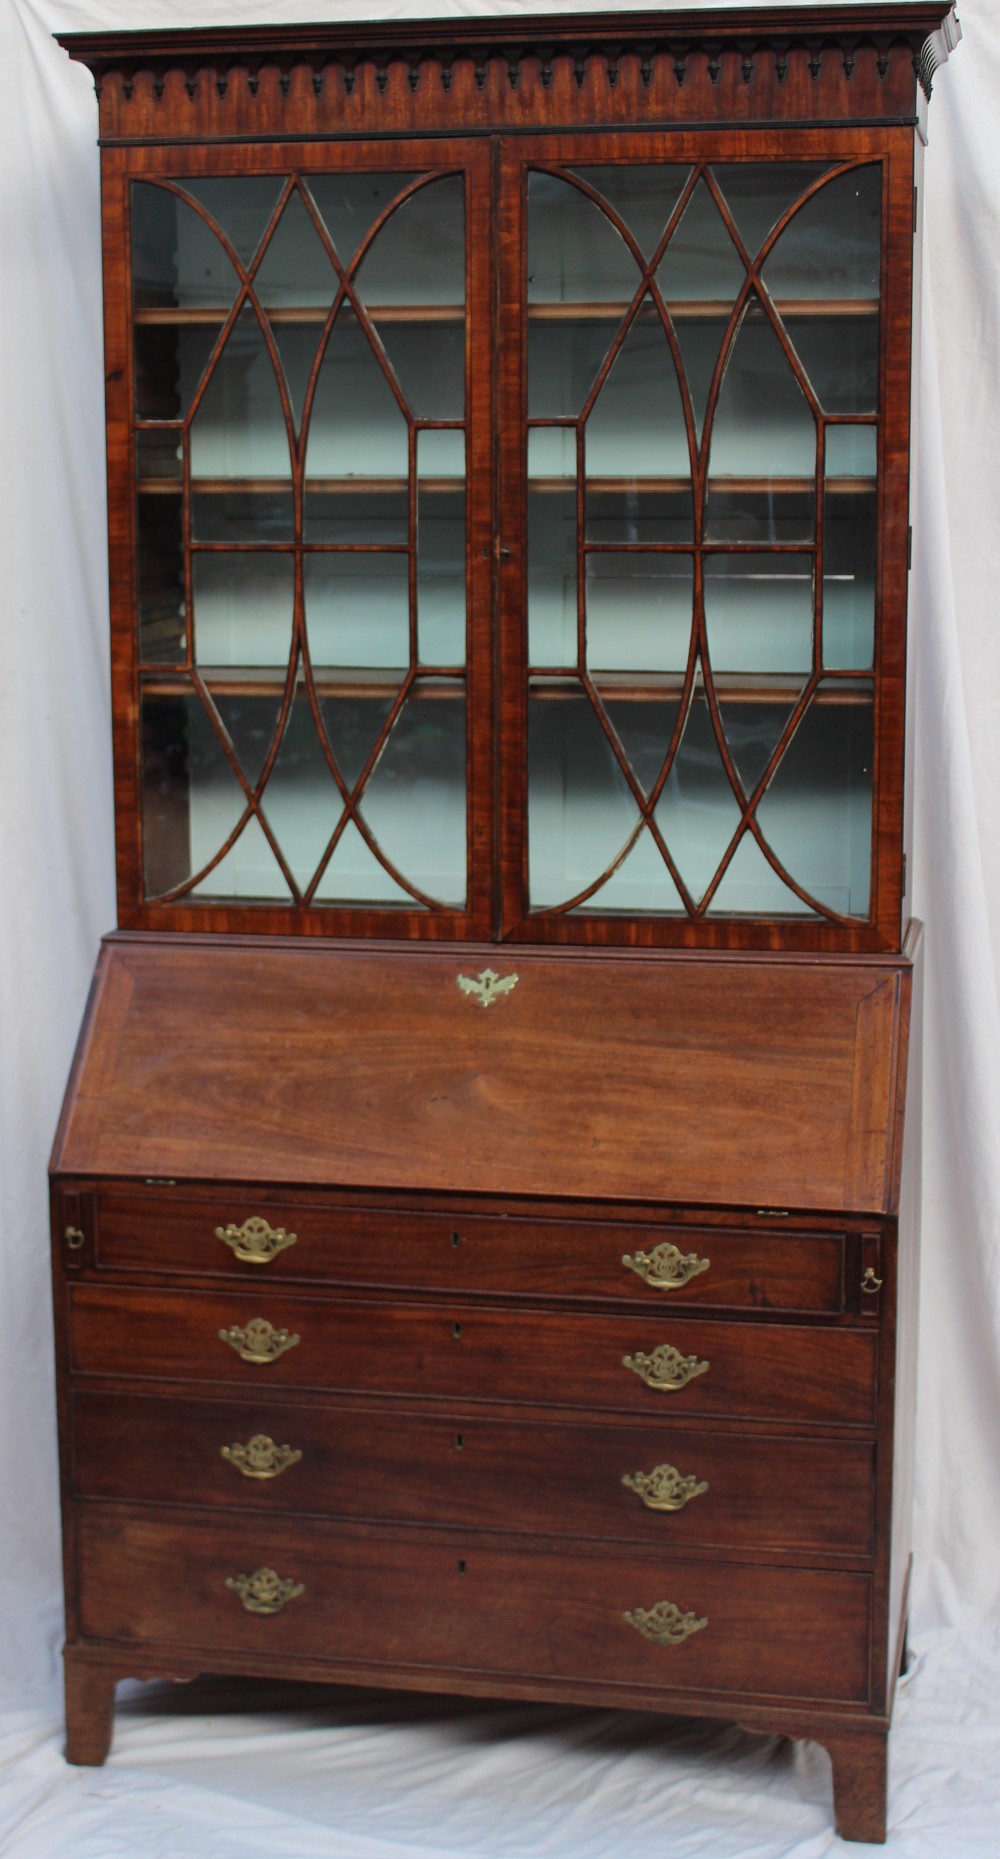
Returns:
<point x="468" y="1253"/>
<point x="642" y="1482"/>
<point x="753" y="1371"/>
<point x="389" y="1600"/>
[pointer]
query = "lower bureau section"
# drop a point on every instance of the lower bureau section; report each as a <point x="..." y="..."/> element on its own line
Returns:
<point x="650" y="1482"/>
<point x="392" y="1602"/>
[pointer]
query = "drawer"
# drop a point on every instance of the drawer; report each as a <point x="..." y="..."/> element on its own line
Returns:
<point x="784" y="1372"/>
<point x="374" y="1464"/>
<point x="390" y="1601"/>
<point x="471" y="1254"/>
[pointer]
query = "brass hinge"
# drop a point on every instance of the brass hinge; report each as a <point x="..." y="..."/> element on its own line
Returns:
<point x="909" y="548"/>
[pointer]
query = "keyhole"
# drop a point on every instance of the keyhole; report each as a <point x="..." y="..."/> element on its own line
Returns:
<point x="456" y="1241"/>
<point x="461" y="1568"/>
<point x="459" y="1442"/>
<point x="456" y="1330"/>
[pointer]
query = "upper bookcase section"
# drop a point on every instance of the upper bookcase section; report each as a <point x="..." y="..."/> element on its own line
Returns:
<point x="760" y="66"/>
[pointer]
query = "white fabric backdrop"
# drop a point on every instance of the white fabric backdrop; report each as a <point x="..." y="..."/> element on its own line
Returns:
<point x="217" y="1769"/>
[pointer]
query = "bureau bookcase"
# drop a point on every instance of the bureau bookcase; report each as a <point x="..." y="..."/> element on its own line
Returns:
<point x="484" y="1206"/>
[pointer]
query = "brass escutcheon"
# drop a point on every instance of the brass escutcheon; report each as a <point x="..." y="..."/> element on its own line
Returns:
<point x="255" y="1242"/>
<point x="260" y="1457"/>
<point x="666" y="1368"/>
<point x="664" y="1623"/>
<point x="488" y="986"/>
<point x="666" y="1267"/>
<point x="264" y="1592"/>
<point x="258" y="1340"/>
<point x="664" y="1488"/>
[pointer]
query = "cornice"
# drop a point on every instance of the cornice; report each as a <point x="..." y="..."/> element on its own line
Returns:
<point x="929" y="29"/>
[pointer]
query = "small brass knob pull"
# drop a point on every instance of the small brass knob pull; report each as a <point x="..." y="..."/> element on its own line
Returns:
<point x="264" y="1592"/>
<point x="664" y="1624"/>
<point x="74" y="1238"/>
<point x="258" y="1340"/>
<point x="666" y="1368"/>
<point x="488" y="986"/>
<point x="255" y="1242"/>
<point x="664" y="1488"/>
<point x="260" y="1457"/>
<point x="870" y="1283"/>
<point x="666" y="1267"/>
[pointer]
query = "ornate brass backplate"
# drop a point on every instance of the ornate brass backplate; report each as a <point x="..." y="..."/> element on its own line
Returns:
<point x="264" y="1592"/>
<point x="258" y="1340"/>
<point x="664" y="1488"/>
<point x="666" y="1368"/>
<point x="260" y="1457"/>
<point x="664" y="1623"/>
<point x="488" y="986"/>
<point x="666" y="1267"/>
<point x="255" y="1242"/>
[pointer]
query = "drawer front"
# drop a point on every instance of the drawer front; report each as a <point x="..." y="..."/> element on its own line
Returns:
<point x="471" y="1254"/>
<point x="753" y="1371"/>
<point x="644" y="1483"/>
<point x="394" y="1601"/>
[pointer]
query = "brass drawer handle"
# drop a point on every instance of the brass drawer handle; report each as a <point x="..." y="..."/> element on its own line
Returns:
<point x="260" y="1457"/>
<point x="488" y="986"/>
<point x="666" y="1267"/>
<point x="664" y="1488"/>
<point x="258" y="1340"/>
<point x="664" y="1623"/>
<point x="255" y="1242"/>
<point x="869" y="1283"/>
<point x="264" y="1592"/>
<point x="666" y="1368"/>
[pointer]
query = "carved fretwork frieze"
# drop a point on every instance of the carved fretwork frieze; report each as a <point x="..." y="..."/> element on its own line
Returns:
<point x="807" y="63"/>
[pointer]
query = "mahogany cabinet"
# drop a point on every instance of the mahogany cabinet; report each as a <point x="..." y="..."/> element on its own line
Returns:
<point x="484" y="1207"/>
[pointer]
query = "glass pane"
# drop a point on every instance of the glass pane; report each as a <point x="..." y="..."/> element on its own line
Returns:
<point x="441" y="596"/>
<point x="161" y="601"/>
<point x="764" y="433"/>
<point x="241" y="516"/>
<point x="575" y="255"/>
<point x="349" y="205"/>
<point x="840" y="357"/>
<point x="580" y="809"/>
<point x="296" y="344"/>
<point x="357" y="429"/>
<point x="191" y="800"/>
<point x="415" y="801"/>
<point x="641" y="883"/>
<point x="643" y="719"/>
<point x="637" y="459"/>
<point x="754" y="717"/>
<point x="552" y="572"/>
<point x="817" y="811"/>
<point x="241" y="205"/>
<point x="347" y="514"/>
<point x="296" y="268"/>
<point x="758" y="193"/>
<point x="249" y="872"/>
<point x="357" y="609"/>
<point x="301" y="800"/>
<point x="699" y="338"/>
<point x="239" y="430"/>
<point x="638" y="611"/>
<point x="176" y="257"/>
<point x="250" y="719"/>
<point x="697" y="812"/>
<point x="418" y="257"/>
<point x="850" y="554"/>
<point x="243" y="609"/>
<point x="750" y="887"/>
<point x="759" y="612"/>
<point x="427" y="357"/>
<point x="644" y="197"/>
<point x="170" y="360"/>
<point x="564" y="359"/>
<point x="701" y="263"/>
<point x="354" y="716"/>
<point x="355" y="875"/>
<point x="832" y="248"/>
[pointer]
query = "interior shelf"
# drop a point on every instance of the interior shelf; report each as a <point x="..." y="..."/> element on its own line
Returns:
<point x="684" y="310"/>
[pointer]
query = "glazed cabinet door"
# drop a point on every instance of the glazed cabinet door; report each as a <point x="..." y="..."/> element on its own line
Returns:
<point x="301" y="498"/>
<point x="703" y="494"/>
